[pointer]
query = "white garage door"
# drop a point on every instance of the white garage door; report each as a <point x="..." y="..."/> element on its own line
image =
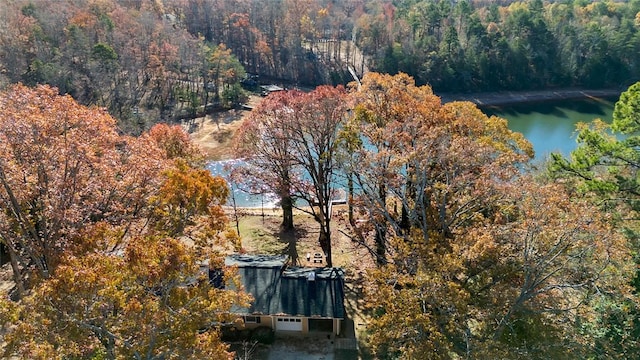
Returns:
<point x="289" y="324"/>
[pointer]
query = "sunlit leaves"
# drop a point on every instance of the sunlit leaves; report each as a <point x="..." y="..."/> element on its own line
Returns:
<point x="152" y="302"/>
<point x="290" y="144"/>
<point x="437" y="163"/>
<point x="109" y="231"/>
<point x="51" y="153"/>
<point x="481" y="260"/>
<point x="604" y="168"/>
<point x="175" y="143"/>
<point x="513" y="283"/>
<point x="190" y="202"/>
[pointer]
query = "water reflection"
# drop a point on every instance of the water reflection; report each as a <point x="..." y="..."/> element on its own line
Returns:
<point x="551" y="126"/>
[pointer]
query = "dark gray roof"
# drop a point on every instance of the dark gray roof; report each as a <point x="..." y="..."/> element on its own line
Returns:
<point x="280" y="290"/>
<point x="271" y="88"/>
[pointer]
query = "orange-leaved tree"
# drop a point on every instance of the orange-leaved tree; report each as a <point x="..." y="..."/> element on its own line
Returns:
<point x="479" y="260"/>
<point x="64" y="167"/>
<point x="420" y="165"/>
<point x="264" y="142"/>
<point x="152" y="302"/>
<point x="189" y="201"/>
<point x="527" y="278"/>
<point x="290" y="145"/>
<point x="97" y="223"/>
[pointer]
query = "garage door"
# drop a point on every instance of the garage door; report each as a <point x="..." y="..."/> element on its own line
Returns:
<point x="289" y="324"/>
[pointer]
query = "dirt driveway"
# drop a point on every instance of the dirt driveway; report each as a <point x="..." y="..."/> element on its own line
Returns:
<point x="297" y="349"/>
<point x="302" y="348"/>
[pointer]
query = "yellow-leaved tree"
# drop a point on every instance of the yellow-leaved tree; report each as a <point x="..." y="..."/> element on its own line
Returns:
<point x="475" y="259"/>
<point x="106" y="234"/>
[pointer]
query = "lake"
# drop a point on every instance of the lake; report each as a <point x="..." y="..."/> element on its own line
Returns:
<point x="550" y="126"/>
<point x="242" y="198"/>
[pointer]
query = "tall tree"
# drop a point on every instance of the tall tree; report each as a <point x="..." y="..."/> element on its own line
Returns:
<point x="63" y="167"/>
<point x="290" y="145"/>
<point x="419" y="160"/>
<point x="264" y="143"/>
<point x="376" y="109"/>
<point x="97" y="224"/>
<point x="151" y="302"/>
<point x="528" y="277"/>
<point x="225" y="69"/>
<point x="480" y="260"/>
<point x="605" y="166"/>
<point x="319" y="116"/>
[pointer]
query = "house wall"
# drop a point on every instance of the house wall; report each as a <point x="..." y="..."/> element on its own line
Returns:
<point x="270" y="321"/>
<point x="265" y="320"/>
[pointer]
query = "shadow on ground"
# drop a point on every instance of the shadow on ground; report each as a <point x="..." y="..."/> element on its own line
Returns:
<point x="290" y="237"/>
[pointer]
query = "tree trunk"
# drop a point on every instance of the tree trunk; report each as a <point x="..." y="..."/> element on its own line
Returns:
<point x="381" y="247"/>
<point x="110" y="347"/>
<point x="286" y="204"/>
<point x="381" y="232"/>
<point x="404" y="218"/>
<point x="350" y="198"/>
<point x="405" y="223"/>
<point x="17" y="275"/>
<point x="325" y="242"/>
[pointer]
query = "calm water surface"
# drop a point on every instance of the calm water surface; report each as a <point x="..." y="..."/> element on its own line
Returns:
<point x="550" y="126"/>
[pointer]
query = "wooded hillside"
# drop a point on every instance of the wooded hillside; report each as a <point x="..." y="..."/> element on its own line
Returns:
<point x="148" y="61"/>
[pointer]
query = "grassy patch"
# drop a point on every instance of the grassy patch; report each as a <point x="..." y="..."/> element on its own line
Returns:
<point x="258" y="237"/>
<point x="263" y="235"/>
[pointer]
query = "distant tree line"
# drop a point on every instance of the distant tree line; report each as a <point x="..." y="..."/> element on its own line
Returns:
<point x="451" y="45"/>
<point x="462" y="46"/>
<point x="153" y="60"/>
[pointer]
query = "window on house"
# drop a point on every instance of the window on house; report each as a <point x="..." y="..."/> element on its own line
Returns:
<point x="288" y="320"/>
<point x="252" y="319"/>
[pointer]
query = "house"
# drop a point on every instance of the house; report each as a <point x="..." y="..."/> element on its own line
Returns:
<point x="268" y="89"/>
<point x="299" y="299"/>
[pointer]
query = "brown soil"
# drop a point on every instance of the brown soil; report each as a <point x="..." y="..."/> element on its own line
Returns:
<point x="214" y="133"/>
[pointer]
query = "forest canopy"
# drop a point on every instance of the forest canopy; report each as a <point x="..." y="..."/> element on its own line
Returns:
<point x="474" y="257"/>
<point x="158" y="61"/>
<point x="106" y="234"/>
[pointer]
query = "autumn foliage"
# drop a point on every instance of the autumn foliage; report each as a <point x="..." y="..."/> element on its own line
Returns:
<point x="96" y="225"/>
<point x="290" y="147"/>
<point x="475" y="258"/>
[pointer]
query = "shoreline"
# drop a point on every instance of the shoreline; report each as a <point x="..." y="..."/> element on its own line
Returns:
<point x="502" y="98"/>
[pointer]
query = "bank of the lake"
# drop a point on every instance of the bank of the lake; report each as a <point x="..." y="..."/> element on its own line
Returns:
<point x="549" y="125"/>
<point x="503" y="98"/>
